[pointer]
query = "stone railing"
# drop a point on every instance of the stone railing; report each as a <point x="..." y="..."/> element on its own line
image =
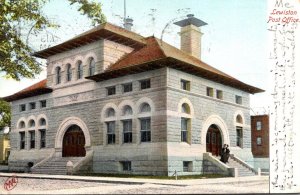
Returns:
<point x="220" y="165"/>
<point x="258" y="171"/>
<point x="84" y="161"/>
<point x="43" y="161"/>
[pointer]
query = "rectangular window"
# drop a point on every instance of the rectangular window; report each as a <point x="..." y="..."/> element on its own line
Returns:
<point x="184" y="129"/>
<point x="145" y="130"/>
<point x="127" y="131"/>
<point x="258" y="125"/>
<point x="42" y="138"/>
<point x="185" y="85"/>
<point x="209" y="91"/>
<point x="145" y="84"/>
<point x="238" y="99"/>
<point x="111" y="90"/>
<point x="22" y="107"/>
<point x="22" y="140"/>
<point x="187" y="166"/>
<point x="43" y="104"/>
<point x="127" y="87"/>
<point x="126" y="165"/>
<point x="258" y="141"/>
<point x="32" y="105"/>
<point x="239" y="137"/>
<point x="219" y="94"/>
<point x="111" y="136"/>
<point x="32" y="139"/>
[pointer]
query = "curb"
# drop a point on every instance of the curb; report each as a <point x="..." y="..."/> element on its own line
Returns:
<point x="139" y="181"/>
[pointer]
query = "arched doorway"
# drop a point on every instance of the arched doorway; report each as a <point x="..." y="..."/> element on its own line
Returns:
<point x="213" y="140"/>
<point x="73" y="142"/>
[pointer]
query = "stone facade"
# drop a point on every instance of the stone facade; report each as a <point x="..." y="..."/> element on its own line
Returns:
<point x="85" y="103"/>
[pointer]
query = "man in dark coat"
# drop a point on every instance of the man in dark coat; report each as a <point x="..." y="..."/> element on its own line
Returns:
<point x="227" y="154"/>
<point x="223" y="153"/>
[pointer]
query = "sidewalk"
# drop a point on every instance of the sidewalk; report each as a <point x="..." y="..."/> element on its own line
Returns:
<point x="184" y="182"/>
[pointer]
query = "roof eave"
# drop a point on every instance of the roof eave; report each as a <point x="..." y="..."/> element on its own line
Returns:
<point x="179" y="65"/>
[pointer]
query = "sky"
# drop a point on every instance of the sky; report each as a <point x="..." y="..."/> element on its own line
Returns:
<point x="234" y="41"/>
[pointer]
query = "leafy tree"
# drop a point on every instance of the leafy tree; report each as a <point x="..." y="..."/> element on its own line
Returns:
<point x="5" y="114"/>
<point x="15" y="55"/>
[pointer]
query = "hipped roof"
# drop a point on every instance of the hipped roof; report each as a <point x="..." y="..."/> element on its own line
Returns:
<point x="157" y="54"/>
<point x="149" y="53"/>
<point x="33" y="90"/>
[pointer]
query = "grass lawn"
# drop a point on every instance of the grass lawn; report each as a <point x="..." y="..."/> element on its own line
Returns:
<point x="202" y="176"/>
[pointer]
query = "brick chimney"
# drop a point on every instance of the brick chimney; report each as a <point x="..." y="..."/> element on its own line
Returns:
<point x="191" y="35"/>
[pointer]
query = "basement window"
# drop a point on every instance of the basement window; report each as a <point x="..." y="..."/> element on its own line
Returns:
<point x="126" y="165"/>
<point x="187" y="166"/>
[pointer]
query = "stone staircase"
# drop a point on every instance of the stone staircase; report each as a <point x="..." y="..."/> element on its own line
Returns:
<point x="55" y="165"/>
<point x="242" y="170"/>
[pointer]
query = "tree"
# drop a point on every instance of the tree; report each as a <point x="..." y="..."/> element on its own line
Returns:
<point x="16" y="60"/>
<point x="5" y="114"/>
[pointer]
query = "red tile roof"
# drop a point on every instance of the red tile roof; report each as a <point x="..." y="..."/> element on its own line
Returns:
<point x="157" y="54"/>
<point x="103" y="31"/>
<point x="33" y="90"/>
<point x="150" y="53"/>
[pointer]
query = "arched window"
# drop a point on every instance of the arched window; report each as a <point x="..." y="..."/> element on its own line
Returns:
<point x="92" y="66"/>
<point x="31" y="123"/>
<point x="239" y="131"/>
<point x="69" y="72"/>
<point x="58" y="75"/>
<point x="42" y="122"/>
<point x="110" y="112"/>
<point x="239" y="119"/>
<point x="22" y="125"/>
<point x="145" y="107"/>
<point x="185" y="123"/>
<point x="79" y="70"/>
<point x="185" y="108"/>
<point x="127" y="124"/>
<point x="127" y="110"/>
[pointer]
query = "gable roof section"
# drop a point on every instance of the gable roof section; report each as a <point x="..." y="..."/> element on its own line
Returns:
<point x="33" y="90"/>
<point x="157" y="54"/>
<point x="103" y="31"/>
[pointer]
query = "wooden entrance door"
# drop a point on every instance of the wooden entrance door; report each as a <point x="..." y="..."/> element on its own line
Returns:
<point x="73" y="142"/>
<point x="213" y="140"/>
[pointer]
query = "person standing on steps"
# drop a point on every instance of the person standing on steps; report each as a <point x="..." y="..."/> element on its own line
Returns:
<point x="227" y="154"/>
<point x="223" y="153"/>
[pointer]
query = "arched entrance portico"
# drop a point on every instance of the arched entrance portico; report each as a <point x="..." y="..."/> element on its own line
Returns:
<point x="73" y="142"/>
<point x="213" y="140"/>
<point x="63" y="131"/>
<point x="214" y="124"/>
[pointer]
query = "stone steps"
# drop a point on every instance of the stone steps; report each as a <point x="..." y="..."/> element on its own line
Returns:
<point x="242" y="170"/>
<point x="55" y="166"/>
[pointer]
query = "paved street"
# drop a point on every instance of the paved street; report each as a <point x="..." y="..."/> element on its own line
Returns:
<point x="92" y="185"/>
